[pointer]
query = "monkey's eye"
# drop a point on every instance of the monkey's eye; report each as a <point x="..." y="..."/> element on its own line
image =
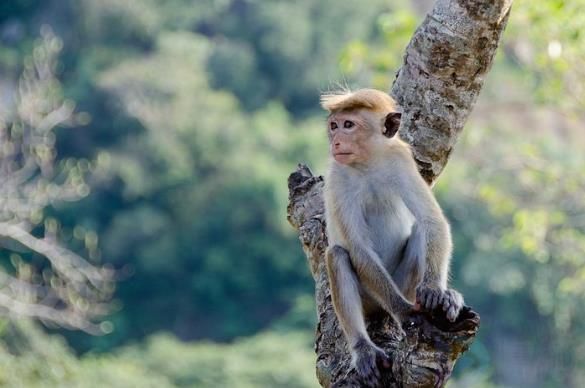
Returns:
<point x="333" y="125"/>
<point x="348" y="124"/>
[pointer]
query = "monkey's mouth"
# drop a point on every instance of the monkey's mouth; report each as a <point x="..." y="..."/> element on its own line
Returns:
<point x="342" y="153"/>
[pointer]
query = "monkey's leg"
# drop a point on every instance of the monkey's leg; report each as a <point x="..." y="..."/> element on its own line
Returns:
<point x="410" y="270"/>
<point x="374" y="277"/>
<point x="348" y="307"/>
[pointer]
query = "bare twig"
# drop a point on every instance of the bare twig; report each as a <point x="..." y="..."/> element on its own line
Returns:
<point x="71" y="291"/>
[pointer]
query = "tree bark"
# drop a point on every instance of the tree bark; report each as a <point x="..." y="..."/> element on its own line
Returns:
<point x="437" y="86"/>
<point x="443" y="71"/>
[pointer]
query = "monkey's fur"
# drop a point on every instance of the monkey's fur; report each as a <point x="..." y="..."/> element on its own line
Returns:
<point x="390" y="244"/>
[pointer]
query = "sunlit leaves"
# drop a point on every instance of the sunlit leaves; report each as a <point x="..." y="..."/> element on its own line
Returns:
<point x="376" y="63"/>
<point x="547" y="40"/>
<point x="519" y="203"/>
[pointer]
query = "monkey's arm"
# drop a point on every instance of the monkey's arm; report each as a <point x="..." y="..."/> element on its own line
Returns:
<point x="435" y="232"/>
<point x="432" y="228"/>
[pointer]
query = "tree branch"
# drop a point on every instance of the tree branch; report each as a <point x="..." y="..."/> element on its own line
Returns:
<point x="75" y="268"/>
<point x="68" y="290"/>
<point x="437" y="86"/>
<point x="442" y="74"/>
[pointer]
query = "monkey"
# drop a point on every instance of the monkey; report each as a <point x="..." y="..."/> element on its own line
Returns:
<point x="389" y="241"/>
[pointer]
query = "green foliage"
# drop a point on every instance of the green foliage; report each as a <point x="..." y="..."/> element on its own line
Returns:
<point x="522" y="215"/>
<point x="29" y="358"/>
<point x="375" y="62"/>
<point x="203" y="191"/>
<point x="547" y="39"/>
<point x="252" y="362"/>
<point x="136" y="22"/>
<point x="295" y="72"/>
<point x="17" y="8"/>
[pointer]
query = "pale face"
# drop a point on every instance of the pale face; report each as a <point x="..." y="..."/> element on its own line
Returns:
<point x="349" y="135"/>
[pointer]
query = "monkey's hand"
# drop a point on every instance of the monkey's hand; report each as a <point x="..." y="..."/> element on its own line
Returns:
<point x="429" y="298"/>
<point x="367" y="359"/>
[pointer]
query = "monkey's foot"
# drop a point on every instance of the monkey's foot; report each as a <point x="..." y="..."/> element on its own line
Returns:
<point x="368" y="358"/>
<point x="429" y="298"/>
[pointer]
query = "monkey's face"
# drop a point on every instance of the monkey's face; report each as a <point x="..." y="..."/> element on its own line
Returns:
<point x="350" y="137"/>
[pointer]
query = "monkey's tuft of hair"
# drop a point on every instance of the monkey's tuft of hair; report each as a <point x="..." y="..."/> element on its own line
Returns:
<point x="371" y="99"/>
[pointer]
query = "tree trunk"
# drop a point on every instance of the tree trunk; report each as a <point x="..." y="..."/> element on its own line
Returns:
<point x="437" y="86"/>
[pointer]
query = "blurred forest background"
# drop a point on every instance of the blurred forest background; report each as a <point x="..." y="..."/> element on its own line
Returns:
<point x="154" y="139"/>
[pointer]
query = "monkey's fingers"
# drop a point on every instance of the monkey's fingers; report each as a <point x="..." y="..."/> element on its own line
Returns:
<point x="431" y="297"/>
<point x="453" y="304"/>
<point x="452" y="313"/>
<point x="428" y="299"/>
<point x="445" y="298"/>
<point x="421" y="297"/>
<point x="446" y="303"/>
<point x="436" y="299"/>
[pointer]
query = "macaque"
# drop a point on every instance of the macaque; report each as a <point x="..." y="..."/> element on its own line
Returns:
<point x="389" y="242"/>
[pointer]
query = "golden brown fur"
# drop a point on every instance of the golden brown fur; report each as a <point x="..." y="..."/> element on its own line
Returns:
<point x="369" y="99"/>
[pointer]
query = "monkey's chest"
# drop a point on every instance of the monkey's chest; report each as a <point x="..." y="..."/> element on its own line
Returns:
<point x="389" y="225"/>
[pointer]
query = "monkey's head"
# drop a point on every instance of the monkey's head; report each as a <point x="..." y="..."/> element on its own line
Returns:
<point x="358" y="123"/>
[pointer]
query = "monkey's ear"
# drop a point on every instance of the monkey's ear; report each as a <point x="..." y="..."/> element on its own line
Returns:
<point x="391" y="124"/>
